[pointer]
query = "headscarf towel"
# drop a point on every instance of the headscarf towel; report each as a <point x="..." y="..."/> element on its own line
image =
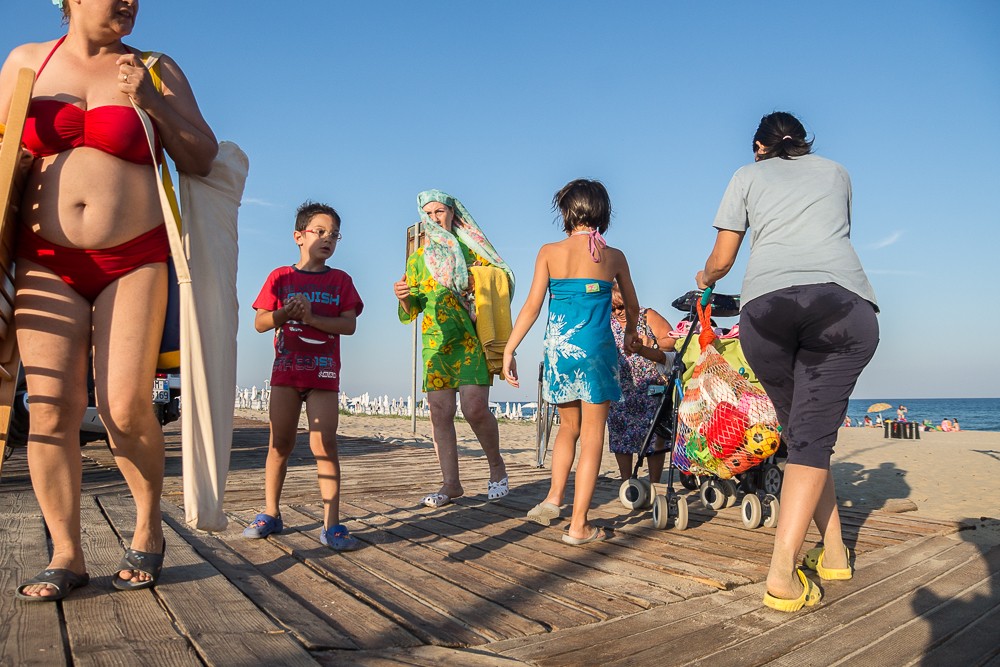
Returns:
<point x="443" y="255"/>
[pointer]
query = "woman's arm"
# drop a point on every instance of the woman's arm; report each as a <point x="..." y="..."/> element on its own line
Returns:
<point x="664" y="343"/>
<point x="529" y="313"/>
<point x="631" y="301"/>
<point x="727" y="245"/>
<point x="185" y="135"/>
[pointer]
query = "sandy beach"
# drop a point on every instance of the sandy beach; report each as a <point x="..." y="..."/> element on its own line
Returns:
<point x="953" y="476"/>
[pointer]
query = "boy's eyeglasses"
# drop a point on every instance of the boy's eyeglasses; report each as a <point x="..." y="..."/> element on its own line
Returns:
<point x="322" y="234"/>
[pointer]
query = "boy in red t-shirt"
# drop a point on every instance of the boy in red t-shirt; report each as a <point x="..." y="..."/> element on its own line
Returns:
<point x="309" y="305"/>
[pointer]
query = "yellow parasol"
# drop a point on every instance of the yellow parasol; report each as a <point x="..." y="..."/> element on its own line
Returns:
<point x="879" y="407"/>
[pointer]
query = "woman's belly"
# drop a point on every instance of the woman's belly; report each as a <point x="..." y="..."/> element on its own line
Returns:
<point x="85" y="198"/>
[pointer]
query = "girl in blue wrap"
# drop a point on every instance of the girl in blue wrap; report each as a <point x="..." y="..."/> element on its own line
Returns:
<point x="581" y="357"/>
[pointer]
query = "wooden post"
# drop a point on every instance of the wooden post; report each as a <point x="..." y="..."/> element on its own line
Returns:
<point x="414" y="237"/>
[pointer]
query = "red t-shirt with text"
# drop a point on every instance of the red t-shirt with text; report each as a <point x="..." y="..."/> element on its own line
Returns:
<point x="305" y="357"/>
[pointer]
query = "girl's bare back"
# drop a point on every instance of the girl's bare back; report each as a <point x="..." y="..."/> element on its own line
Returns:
<point x="571" y="258"/>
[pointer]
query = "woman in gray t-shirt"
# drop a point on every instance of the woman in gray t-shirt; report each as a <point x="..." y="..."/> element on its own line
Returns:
<point x="808" y="328"/>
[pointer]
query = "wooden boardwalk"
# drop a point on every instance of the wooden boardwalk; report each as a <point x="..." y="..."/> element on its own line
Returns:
<point x="475" y="584"/>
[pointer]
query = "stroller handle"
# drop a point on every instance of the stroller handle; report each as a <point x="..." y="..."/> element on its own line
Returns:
<point x="706" y="296"/>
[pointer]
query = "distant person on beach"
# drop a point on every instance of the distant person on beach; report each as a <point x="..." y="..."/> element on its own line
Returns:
<point x="629" y="418"/>
<point x="954" y="425"/>
<point x="91" y="271"/>
<point x="868" y="421"/>
<point x="847" y="422"/>
<point x="808" y="327"/>
<point x="878" y="419"/>
<point x="438" y="283"/>
<point x="580" y="356"/>
<point x="947" y="425"/>
<point x="309" y="305"/>
<point x="901" y="413"/>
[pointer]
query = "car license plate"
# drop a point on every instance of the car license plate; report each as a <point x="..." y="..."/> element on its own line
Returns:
<point x="161" y="390"/>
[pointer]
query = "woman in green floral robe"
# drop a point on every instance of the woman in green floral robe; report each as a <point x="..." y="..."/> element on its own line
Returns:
<point x="438" y="289"/>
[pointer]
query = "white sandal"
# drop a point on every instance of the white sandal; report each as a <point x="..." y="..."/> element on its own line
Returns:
<point x="495" y="490"/>
<point x="435" y="500"/>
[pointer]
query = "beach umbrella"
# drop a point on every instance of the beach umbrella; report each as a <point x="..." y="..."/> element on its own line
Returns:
<point x="879" y="407"/>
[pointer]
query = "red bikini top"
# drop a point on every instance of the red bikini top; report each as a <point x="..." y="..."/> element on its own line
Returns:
<point x="53" y="126"/>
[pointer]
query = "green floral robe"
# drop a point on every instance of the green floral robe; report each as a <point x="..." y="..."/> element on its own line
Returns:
<point x="452" y="353"/>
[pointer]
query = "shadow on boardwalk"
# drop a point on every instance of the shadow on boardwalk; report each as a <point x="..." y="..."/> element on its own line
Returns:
<point x="473" y="583"/>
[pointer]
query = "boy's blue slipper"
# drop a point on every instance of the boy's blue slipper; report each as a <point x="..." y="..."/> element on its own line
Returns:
<point x="262" y="526"/>
<point x="339" y="539"/>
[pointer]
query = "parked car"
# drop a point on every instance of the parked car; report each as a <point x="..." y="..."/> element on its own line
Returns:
<point x="166" y="402"/>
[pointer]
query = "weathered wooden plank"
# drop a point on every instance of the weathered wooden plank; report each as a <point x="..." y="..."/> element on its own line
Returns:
<point x="29" y="631"/>
<point x="976" y="644"/>
<point x="601" y="585"/>
<point x="923" y="617"/>
<point x="241" y="635"/>
<point x="484" y="613"/>
<point x="425" y="613"/>
<point x="106" y="626"/>
<point x="583" y="588"/>
<point x="764" y="635"/>
<point x="616" y="547"/>
<point x="423" y="656"/>
<point x="520" y="589"/>
<point x="313" y="623"/>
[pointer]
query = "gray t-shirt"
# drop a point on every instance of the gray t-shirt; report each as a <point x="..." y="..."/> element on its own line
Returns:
<point x="798" y="212"/>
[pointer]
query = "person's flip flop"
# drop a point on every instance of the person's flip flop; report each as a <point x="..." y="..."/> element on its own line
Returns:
<point x="595" y="536"/>
<point x="810" y="596"/>
<point x="435" y="500"/>
<point x="832" y="573"/>
<point x="63" y="581"/>
<point x="143" y="561"/>
<point x="543" y="513"/>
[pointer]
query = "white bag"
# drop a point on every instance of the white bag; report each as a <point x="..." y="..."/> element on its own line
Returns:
<point x="209" y="321"/>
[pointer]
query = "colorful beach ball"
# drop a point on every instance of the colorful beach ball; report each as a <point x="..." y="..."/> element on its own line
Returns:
<point x="762" y="440"/>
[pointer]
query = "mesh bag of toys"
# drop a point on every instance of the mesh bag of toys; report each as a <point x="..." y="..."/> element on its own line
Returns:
<point x="726" y="424"/>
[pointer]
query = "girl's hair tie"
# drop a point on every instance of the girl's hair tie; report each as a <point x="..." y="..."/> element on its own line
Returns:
<point x="787" y="136"/>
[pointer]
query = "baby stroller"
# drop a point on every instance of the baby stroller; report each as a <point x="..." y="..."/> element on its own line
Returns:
<point x="727" y="452"/>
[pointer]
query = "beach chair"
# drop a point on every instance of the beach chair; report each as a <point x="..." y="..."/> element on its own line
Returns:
<point x="11" y="187"/>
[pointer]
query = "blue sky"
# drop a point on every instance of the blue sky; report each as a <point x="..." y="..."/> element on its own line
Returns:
<point x="364" y="104"/>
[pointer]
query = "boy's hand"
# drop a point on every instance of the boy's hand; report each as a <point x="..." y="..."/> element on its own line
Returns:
<point x="510" y="369"/>
<point x="296" y="307"/>
<point x="402" y="289"/>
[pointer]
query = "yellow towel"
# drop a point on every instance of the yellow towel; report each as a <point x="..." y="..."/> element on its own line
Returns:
<point x="493" y="323"/>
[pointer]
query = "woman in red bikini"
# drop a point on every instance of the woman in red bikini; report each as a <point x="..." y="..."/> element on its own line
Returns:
<point x="91" y="272"/>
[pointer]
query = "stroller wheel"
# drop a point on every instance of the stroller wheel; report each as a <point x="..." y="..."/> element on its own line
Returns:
<point x="682" y="513"/>
<point x="661" y="512"/>
<point x="712" y="494"/>
<point x="729" y="488"/>
<point x="772" y="479"/>
<point x="751" y="511"/>
<point x="635" y="493"/>
<point x="689" y="481"/>
<point x="771" y="510"/>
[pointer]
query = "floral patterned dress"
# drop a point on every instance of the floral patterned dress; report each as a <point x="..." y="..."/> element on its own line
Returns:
<point x="629" y="418"/>
<point x="452" y="354"/>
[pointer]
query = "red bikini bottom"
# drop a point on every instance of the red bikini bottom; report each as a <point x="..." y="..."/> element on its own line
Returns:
<point x="89" y="272"/>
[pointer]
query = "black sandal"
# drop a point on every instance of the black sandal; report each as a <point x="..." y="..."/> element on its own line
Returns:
<point x="143" y="561"/>
<point x="64" y="581"/>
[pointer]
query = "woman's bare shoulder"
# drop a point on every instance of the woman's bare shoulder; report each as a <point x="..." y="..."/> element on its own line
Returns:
<point x="29" y="55"/>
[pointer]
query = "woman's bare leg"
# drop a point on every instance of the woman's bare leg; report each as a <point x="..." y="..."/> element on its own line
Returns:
<point x="128" y="325"/>
<point x="53" y="334"/>
<point x="442" y="404"/>
<point x="594" y="418"/>
<point x="476" y="410"/>
<point x="564" y="451"/>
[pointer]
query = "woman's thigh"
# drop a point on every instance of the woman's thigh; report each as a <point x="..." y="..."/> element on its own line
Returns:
<point x="53" y="333"/>
<point x="128" y="326"/>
